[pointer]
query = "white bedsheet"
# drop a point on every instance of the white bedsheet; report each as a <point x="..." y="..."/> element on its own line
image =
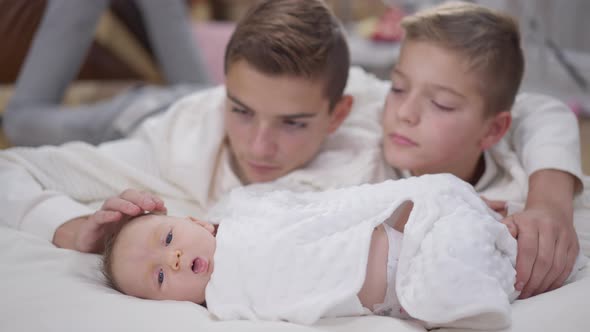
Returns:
<point x="43" y="288"/>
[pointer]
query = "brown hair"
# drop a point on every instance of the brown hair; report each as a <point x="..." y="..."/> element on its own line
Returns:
<point x="107" y="262"/>
<point x="489" y="39"/>
<point x="108" y="252"/>
<point x="300" y="38"/>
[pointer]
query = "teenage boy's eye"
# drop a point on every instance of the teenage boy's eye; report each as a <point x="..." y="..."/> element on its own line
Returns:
<point x="443" y="107"/>
<point x="295" y="124"/>
<point x="160" y="277"/>
<point x="169" y="238"/>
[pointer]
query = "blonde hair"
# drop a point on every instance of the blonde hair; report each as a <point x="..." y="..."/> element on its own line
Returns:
<point x="489" y="39"/>
<point x="301" y="38"/>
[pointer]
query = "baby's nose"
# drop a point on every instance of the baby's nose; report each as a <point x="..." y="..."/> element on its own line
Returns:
<point x="175" y="259"/>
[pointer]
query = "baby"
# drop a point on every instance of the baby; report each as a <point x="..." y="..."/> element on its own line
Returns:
<point x="281" y="255"/>
<point x="161" y="257"/>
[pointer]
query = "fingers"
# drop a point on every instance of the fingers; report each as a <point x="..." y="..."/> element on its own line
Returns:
<point x="133" y="202"/>
<point x="572" y="255"/>
<point x="557" y="267"/>
<point x="512" y="227"/>
<point x="498" y="206"/>
<point x="102" y="217"/>
<point x="122" y="205"/>
<point x="542" y="265"/>
<point x="144" y="200"/>
<point x="208" y="226"/>
<point x="528" y="243"/>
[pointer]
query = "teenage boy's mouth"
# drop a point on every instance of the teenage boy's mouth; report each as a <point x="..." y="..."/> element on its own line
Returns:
<point x="398" y="139"/>
<point x="200" y="265"/>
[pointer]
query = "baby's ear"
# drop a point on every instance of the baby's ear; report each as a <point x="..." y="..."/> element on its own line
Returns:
<point x="208" y="226"/>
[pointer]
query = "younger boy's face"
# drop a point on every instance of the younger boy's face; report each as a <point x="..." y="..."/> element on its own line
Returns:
<point x="164" y="258"/>
<point x="434" y="114"/>
<point x="275" y="124"/>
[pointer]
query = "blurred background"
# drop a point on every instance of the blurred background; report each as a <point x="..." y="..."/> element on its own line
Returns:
<point x="555" y="38"/>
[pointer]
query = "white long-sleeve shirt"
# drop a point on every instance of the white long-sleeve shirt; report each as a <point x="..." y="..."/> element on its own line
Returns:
<point x="183" y="157"/>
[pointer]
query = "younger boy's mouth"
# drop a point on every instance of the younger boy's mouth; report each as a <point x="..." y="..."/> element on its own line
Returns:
<point x="398" y="139"/>
<point x="200" y="265"/>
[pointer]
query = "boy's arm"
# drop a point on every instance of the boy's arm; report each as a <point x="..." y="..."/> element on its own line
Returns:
<point x="546" y="139"/>
<point x="87" y="233"/>
<point x="42" y="188"/>
<point x="545" y="135"/>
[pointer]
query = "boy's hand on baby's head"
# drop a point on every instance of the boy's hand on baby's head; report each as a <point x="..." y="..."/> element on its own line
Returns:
<point x="547" y="249"/>
<point x="132" y="202"/>
<point x="91" y="231"/>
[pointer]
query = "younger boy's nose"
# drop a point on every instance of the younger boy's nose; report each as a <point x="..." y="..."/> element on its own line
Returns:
<point x="409" y="111"/>
<point x="174" y="259"/>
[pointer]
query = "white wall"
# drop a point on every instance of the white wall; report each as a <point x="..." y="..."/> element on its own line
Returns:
<point x="567" y="22"/>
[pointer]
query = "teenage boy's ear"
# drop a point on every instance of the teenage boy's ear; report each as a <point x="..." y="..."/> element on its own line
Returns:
<point x="498" y="126"/>
<point x="209" y="227"/>
<point x="340" y="112"/>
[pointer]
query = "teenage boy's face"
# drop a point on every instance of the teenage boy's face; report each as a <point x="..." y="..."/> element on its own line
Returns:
<point x="164" y="258"/>
<point x="275" y="124"/>
<point x="434" y="114"/>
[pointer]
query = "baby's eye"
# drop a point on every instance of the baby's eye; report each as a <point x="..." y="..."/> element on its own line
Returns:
<point x="160" y="277"/>
<point x="169" y="238"/>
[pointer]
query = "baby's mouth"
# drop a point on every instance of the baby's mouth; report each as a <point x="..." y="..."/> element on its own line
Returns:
<point x="200" y="265"/>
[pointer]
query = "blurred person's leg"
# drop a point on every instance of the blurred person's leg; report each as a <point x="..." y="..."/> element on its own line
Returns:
<point x="33" y="116"/>
<point x="171" y="36"/>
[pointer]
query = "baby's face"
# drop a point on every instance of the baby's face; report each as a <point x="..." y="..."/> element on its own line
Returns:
<point x="164" y="258"/>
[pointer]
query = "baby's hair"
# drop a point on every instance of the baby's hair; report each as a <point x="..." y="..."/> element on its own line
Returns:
<point x="107" y="261"/>
<point x="107" y="254"/>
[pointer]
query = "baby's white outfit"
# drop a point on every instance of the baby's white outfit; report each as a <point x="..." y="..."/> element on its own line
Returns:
<point x="391" y="306"/>
<point x="298" y="257"/>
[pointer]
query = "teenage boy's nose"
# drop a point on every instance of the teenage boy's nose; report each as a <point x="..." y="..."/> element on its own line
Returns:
<point x="263" y="142"/>
<point x="174" y="259"/>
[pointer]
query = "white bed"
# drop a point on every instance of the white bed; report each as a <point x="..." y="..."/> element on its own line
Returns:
<point x="43" y="288"/>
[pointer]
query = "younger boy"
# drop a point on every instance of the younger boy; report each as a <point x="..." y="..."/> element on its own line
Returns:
<point x="282" y="255"/>
<point x="456" y="80"/>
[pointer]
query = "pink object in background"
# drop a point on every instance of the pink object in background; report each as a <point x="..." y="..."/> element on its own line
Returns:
<point x="388" y="27"/>
<point x="212" y="38"/>
<point x="575" y="107"/>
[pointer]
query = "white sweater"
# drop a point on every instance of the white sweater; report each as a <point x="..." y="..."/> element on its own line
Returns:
<point x="182" y="156"/>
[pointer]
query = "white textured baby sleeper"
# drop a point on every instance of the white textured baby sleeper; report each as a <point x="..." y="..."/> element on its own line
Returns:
<point x="302" y="256"/>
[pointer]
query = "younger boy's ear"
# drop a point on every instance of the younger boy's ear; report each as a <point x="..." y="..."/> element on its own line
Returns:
<point x="208" y="226"/>
<point x="498" y="127"/>
<point x="340" y="112"/>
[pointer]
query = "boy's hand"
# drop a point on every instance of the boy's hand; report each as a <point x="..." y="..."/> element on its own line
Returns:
<point x="86" y="234"/>
<point x="547" y="241"/>
<point x="547" y="249"/>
